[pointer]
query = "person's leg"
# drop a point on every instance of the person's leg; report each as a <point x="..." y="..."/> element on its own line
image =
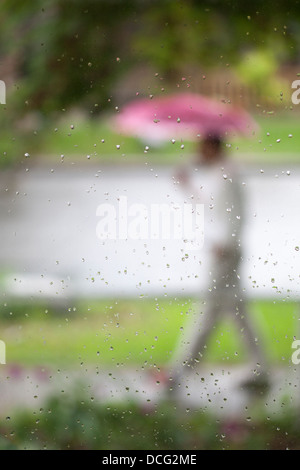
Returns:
<point x="246" y="329"/>
<point x="192" y="346"/>
<point x="257" y="381"/>
<point x="258" y="378"/>
<point x="234" y="298"/>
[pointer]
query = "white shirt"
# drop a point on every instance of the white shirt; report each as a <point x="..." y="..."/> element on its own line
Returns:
<point x="217" y="186"/>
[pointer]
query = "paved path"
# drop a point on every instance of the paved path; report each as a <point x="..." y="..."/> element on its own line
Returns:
<point x="49" y="246"/>
<point x="214" y="389"/>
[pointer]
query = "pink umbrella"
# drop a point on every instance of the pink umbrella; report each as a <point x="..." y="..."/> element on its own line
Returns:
<point x="182" y="116"/>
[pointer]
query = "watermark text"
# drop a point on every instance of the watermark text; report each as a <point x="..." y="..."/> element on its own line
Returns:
<point x="2" y="352"/>
<point x="123" y="221"/>
<point x="2" y="92"/>
<point x="296" y="93"/>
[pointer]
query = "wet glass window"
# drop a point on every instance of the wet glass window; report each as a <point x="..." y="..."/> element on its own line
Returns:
<point x="149" y="227"/>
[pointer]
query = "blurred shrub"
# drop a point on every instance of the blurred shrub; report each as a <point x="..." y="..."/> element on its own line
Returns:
<point x="81" y="423"/>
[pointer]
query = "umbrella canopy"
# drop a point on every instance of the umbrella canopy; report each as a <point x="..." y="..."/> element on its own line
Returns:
<point x="182" y="116"/>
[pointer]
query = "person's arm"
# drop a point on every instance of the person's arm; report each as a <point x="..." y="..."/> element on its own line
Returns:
<point x="183" y="177"/>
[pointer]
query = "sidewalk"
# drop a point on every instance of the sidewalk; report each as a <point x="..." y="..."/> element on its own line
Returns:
<point x="214" y="389"/>
<point x="64" y="259"/>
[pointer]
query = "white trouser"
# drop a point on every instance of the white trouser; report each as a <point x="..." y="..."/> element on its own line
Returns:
<point x="224" y="297"/>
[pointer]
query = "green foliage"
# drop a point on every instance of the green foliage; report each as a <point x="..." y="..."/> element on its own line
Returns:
<point x="63" y="54"/>
<point x="259" y="69"/>
<point x="79" y="422"/>
<point x="70" y="52"/>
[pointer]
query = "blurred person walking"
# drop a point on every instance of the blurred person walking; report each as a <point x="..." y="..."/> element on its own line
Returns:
<point x="215" y="183"/>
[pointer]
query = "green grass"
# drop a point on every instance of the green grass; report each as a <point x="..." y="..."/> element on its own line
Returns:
<point x="87" y="136"/>
<point x="278" y="140"/>
<point x="84" y="141"/>
<point x="94" y="141"/>
<point x="135" y="333"/>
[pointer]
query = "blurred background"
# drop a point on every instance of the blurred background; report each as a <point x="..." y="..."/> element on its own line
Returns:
<point x="85" y="321"/>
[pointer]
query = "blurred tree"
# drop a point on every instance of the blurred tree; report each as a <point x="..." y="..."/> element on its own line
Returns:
<point x="71" y="52"/>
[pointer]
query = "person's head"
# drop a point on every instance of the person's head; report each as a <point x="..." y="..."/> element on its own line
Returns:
<point x="211" y="149"/>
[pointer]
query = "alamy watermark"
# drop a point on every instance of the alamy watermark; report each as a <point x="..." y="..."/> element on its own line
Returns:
<point x="123" y="221"/>
<point x="296" y="94"/>
<point x="2" y="101"/>
<point x="2" y="352"/>
<point x="296" y="354"/>
<point x="2" y="92"/>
